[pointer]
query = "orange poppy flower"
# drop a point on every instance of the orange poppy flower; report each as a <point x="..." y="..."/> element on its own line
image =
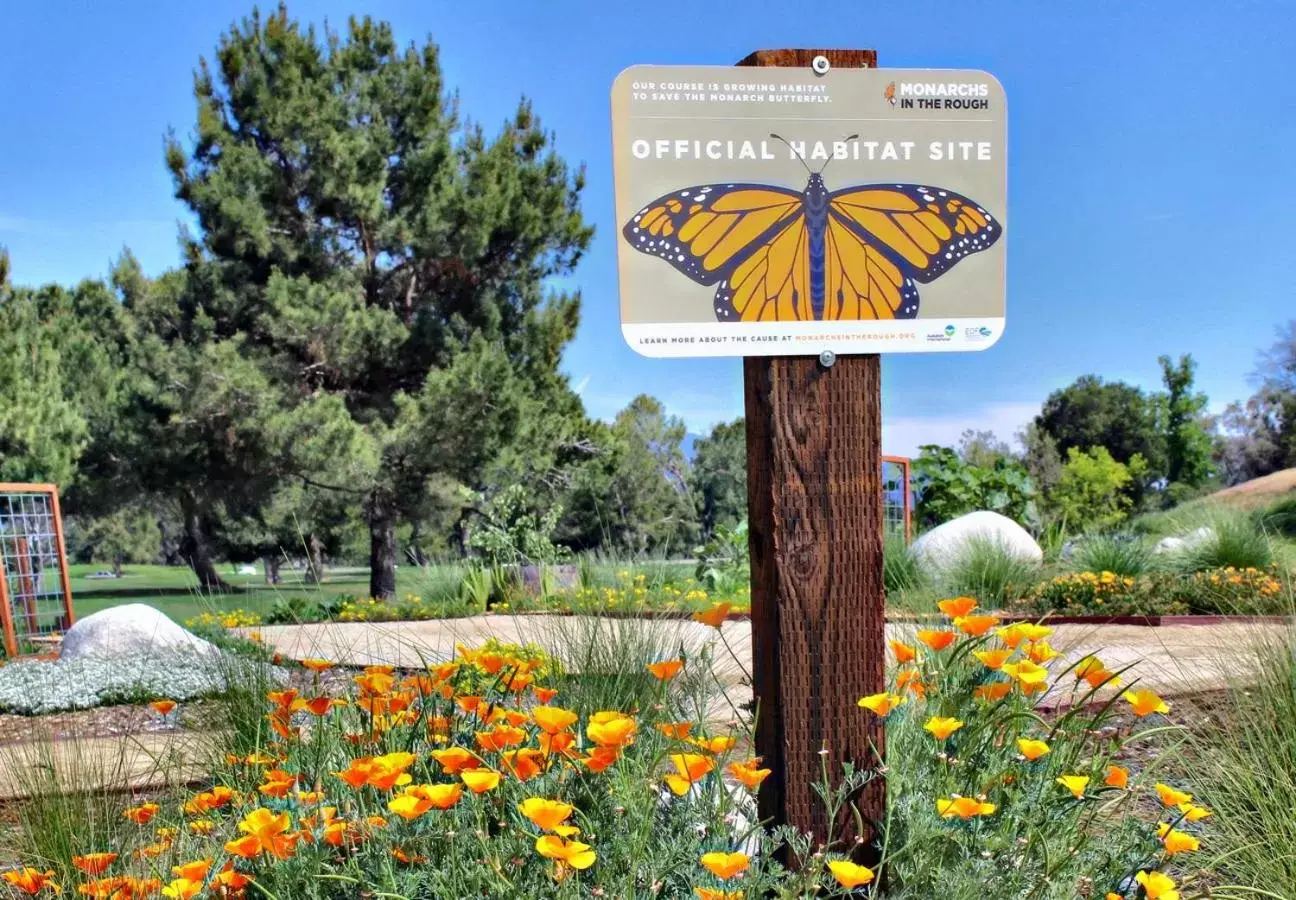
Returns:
<point x="903" y="652"/>
<point x="749" y="773"/>
<point x="715" y="615"/>
<point x="553" y="719"/>
<point x="611" y="729"/>
<point x="689" y="768"/>
<point x="676" y="731"/>
<point x="600" y="758"/>
<point x="667" y="669"/>
<point x="479" y="781"/>
<point x="957" y="606"/>
<point x="94" y="863"/>
<point x="523" y="764"/>
<point x="545" y="814"/>
<point x="936" y="640"/>
<point x="544" y="694"/>
<point x="317" y="665"/>
<point x="571" y="853"/>
<point x="725" y="865"/>
<point x="163" y="707"/>
<point x="142" y="814"/>
<point x="992" y="692"/>
<point x="976" y="626"/>
<point x="440" y="796"/>
<point x="454" y="760"/>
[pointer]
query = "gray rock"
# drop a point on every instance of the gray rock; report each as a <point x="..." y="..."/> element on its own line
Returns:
<point x="1187" y="541"/>
<point x="940" y="547"/>
<point x="131" y="630"/>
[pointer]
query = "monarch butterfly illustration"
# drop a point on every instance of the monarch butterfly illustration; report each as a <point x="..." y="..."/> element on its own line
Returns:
<point x="777" y="254"/>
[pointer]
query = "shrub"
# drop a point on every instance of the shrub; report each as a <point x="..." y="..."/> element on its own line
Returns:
<point x="1280" y="516"/>
<point x="1235" y="540"/>
<point x="1091" y="494"/>
<point x="946" y="487"/>
<point x="989" y="571"/>
<point x="1122" y="554"/>
<point x="1106" y="594"/>
<point x="1215" y="591"/>
<point x="1229" y="590"/>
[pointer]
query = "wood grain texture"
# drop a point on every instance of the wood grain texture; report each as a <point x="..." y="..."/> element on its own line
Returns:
<point x="815" y="522"/>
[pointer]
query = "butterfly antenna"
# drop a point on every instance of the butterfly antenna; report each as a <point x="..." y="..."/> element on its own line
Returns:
<point x="852" y="137"/>
<point x="798" y="156"/>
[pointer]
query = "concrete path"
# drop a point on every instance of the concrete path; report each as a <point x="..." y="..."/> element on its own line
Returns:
<point x="1171" y="659"/>
<point x="111" y="764"/>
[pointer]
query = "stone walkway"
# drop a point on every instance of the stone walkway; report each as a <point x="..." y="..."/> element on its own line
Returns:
<point x="133" y="762"/>
<point x="1170" y="659"/>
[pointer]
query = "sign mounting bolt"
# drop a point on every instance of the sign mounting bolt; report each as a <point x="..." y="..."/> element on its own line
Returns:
<point x="827" y="358"/>
<point x="820" y="65"/>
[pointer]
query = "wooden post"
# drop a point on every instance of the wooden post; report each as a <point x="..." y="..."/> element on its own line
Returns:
<point x="6" y="611"/>
<point x="814" y="496"/>
<point x="65" y="581"/>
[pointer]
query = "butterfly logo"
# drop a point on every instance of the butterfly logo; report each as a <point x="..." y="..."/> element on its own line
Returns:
<point x="889" y="93"/>
<point x="781" y="255"/>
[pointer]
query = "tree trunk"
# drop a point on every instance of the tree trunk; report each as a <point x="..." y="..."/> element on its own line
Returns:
<point x="314" y="560"/>
<point x="271" y="563"/>
<point x="117" y="566"/>
<point x="196" y="550"/>
<point x="382" y="547"/>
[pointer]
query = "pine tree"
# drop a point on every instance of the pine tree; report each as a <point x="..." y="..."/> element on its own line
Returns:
<point x="382" y="260"/>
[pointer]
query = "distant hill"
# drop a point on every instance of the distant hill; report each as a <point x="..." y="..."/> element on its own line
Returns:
<point x="1258" y="491"/>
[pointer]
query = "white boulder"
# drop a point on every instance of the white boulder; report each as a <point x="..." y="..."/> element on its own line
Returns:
<point x="1187" y="541"/>
<point x="131" y="630"/>
<point x="941" y="546"/>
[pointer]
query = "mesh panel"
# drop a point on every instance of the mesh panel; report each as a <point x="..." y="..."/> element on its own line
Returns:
<point x="895" y="495"/>
<point x="31" y="563"/>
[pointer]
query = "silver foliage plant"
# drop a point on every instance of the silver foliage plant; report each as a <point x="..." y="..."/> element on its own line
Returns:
<point x="41" y="686"/>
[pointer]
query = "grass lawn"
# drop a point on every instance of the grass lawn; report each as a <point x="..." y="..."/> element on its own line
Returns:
<point x="174" y="590"/>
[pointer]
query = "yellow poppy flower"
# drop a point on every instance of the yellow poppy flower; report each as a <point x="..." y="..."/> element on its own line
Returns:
<point x="848" y="874"/>
<point x="941" y="727"/>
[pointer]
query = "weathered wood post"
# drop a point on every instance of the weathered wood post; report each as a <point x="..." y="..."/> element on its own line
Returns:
<point x="814" y="494"/>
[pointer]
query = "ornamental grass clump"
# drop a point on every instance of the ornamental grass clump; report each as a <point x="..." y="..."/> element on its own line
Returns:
<point x="497" y="774"/>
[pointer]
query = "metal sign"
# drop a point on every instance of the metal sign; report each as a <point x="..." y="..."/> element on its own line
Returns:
<point x="781" y="211"/>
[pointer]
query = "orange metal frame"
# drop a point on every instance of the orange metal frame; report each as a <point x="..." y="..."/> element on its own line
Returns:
<point x="903" y="463"/>
<point x="24" y="571"/>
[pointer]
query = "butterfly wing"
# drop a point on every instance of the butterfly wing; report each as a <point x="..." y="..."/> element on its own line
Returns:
<point x="707" y="231"/>
<point x="925" y="231"/>
<point x="772" y="283"/>
<point x="861" y="281"/>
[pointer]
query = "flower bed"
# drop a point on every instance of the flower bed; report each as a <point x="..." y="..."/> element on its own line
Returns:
<point x="1160" y="595"/>
<point x="497" y="774"/>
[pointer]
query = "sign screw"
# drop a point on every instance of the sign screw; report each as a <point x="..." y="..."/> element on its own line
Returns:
<point x="821" y="66"/>
<point x="827" y="358"/>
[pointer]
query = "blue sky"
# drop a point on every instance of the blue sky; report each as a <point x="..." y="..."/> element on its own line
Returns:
<point x="1150" y="174"/>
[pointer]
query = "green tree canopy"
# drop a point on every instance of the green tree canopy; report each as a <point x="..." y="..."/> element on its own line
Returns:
<point x="634" y="493"/>
<point x="1091" y="495"/>
<point x="1187" y="441"/>
<point x="1120" y="417"/>
<point x="719" y="475"/>
<point x="56" y="378"/>
<point x="380" y="260"/>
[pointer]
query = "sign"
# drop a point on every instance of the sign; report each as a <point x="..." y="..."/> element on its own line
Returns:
<point x="781" y="212"/>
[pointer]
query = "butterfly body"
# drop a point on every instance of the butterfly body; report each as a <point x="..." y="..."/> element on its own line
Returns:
<point x="816" y="215"/>
<point x="776" y="254"/>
